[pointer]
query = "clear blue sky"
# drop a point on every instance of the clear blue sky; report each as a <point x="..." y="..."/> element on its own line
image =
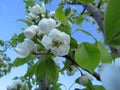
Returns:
<point x="12" y="10"/>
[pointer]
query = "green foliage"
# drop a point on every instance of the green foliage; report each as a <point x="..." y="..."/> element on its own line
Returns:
<point x="112" y="23"/>
<point x="56" y="87"/>
<point x="67" y="65"/>
<point x="17" y="39"/>
<point x="40" y="71"/>
<point x="1" y="43"/>
<point x="99" y="87"/>
<point x="47" y="68"/>
<point x="31" y="71"/>
<point x="87" y="56"/>
<point x="88" y="33"/>
<point x="79" y="19"/>
<point x="85" y="1"/>
<point x="52" y="73"/>
<point x="73" y="43"/>
<point x="29" y="3"/>
<point x="27" y="22"/>
<point x="47" y="1"/>
<point x="59" y="13"/>
<point x="105" y="55"/>
<point x="20" y="61"/>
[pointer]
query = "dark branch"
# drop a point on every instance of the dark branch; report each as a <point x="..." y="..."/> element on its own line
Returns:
<point x="96" y="75"/>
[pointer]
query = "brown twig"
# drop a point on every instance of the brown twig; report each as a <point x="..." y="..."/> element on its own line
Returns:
<point x="96" y="75"/>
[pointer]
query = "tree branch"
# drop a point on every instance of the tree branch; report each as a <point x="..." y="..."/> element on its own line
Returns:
<point x="96" y="14"/>
<point x="96" y="75"/>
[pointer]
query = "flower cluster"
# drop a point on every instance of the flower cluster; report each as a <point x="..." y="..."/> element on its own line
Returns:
<point x="4" y="65"/>
<point x="46" y="33"/>
<point x="36" y="12"/>
<point x="18" y="85"/>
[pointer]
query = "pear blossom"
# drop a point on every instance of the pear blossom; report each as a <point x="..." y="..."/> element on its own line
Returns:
<point x="15" y="85"/>
<point x="31" y="31"/>
<point x="110" y="76"/>
<point x="46" y="25"/>
<point x="12" y="87"/>
<point x="58" y="42"/>
<point x="32" y="16"/>
<point x="25" y="48"/>
<point x="37" y="9"/>
<point x="52" y="14"/>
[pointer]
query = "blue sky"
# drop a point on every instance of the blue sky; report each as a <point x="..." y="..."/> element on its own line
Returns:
<point x="12" y="10"/>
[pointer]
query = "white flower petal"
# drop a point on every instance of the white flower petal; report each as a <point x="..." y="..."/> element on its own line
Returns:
<point x="25" y="48"/>
<point x="46" y="41"/>
<point x="45" y="25"/>
<point x="31" y="31"/>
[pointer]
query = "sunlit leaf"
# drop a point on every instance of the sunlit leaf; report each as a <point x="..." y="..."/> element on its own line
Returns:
<point x="112" y="23"/>
<point x="59" y="13"/>
<point x="105" y="55"/>
<point x="52" y="74"/>
<point x="85" y="1"/>
<point x="41" y="70"/>
<point x="20" y="61"/>
<point x="27" y="22"/>
<point x="87" y="56"/>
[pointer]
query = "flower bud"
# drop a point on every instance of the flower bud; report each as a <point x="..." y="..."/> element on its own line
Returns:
<point x="31" y="31"/>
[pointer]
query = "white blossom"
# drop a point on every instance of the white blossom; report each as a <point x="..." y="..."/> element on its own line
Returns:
<point x="37" y="9"/>
<point x="12" y="87"/>
<point x="110" y="76"/>
<point x="25" y="48"/>
<point x="32" y="16"/>
<point x="18" y="82"/>
<point x="58" y="42"/>
<point x="52" y="14"/>
<point x="46" y="25"/>
<point x="31" y="31"/>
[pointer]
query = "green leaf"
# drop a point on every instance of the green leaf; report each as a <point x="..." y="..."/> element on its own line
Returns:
<point x="40" y="71"/>
<point x="99" y="87"/>
<point x="66" y="29"/>
<point x="1" y="43"/>
<point x="52" y="73"/>
<point x="112" y="23"/>
<point x="87" y="56"/>
<point x="85" y="1"/>
<point x="105" y="55"/>
<point x="47" y="1"/>
<point x="59" y="13"/>
<point x="88" y="33"/>
<point x="21" y="61"/>
<point x="27" y="22"/>
<point x="21" y="37"/>
<point x="67" y="65"/>
<point x="79" y="19"/>
<point x="67" y="11"/>
<point x="73" y="43"/>
<point x="31" y="71"/>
